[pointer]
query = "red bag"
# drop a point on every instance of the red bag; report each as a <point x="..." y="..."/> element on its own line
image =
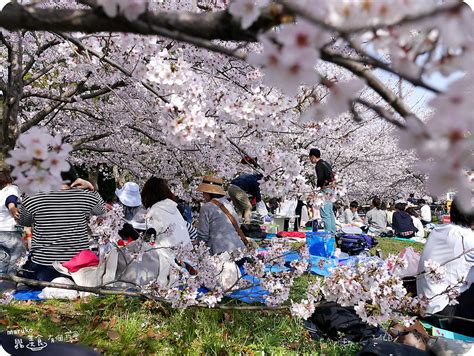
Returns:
<point x="297" y="234"/>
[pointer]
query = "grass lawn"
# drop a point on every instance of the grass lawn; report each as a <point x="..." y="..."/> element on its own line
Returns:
<point x="126" y="326"/>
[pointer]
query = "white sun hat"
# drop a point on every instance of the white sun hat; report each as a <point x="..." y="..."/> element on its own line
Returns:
<point x="129" y="195"/>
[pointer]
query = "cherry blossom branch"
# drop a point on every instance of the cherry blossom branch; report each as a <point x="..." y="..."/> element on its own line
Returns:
<point x="373" y="61"/>
<point x="112" y="291"/>
<point x="301" y="11"/>
<point x="78" y="143"/>
<point x="39" y="74"/>
<point x="37" y="53"/>
<point x="380" y="110"/>
<point x="364" y="72"/>
<point x="111" y="62"/>
<point x="41" y="115"/>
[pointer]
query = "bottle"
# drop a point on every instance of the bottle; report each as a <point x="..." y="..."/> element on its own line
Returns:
<point x="314" y="225"/>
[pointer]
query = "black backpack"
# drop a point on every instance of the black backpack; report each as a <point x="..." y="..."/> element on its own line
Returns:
<point x="253" y="231"/>
<point x="355" y="244"/>
<point x="338" y="323"/>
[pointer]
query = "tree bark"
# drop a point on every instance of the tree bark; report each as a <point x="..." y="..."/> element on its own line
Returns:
<point x="14" y="91"/>
<point x="208" y="25"/>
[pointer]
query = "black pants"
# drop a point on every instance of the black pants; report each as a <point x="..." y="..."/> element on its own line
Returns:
<point x="40" y="272"/>
<point x="464" y="309"/>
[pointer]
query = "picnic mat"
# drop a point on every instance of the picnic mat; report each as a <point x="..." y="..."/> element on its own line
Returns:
<point x="435" y="331"/>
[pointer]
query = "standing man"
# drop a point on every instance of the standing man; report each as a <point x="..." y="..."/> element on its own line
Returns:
<point x="324" y="178"/>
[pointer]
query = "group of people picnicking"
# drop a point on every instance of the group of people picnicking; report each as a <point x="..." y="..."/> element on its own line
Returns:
<point x="58" y="221"/>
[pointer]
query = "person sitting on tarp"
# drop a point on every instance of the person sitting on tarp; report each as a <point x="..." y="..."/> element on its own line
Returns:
<point x="60" y="225"/>
<point x="420" y="234"/>
<point x="239" y="191"/>
<point x="402" y="222"/>
<point x="11" y="244"/>
<point x="350" y="215"/>
<point x="376" y="219"/>
<point x="218" y="222"/>
<point x="447" y="245"/>
<point x="425" y="212"/>
<point x="134" y="213"/>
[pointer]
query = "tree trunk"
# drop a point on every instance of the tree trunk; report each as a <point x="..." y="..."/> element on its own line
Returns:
<point x="11" y="104"/>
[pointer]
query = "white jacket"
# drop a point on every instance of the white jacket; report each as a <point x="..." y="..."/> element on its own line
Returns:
<point x="170" y="226"/>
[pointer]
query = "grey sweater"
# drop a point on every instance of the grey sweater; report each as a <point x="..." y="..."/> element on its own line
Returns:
<point x="216" y="229"/>
<point x="376" y="218"/>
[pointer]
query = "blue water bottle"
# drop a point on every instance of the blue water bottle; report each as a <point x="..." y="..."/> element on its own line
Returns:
<point x="314" y="225"/>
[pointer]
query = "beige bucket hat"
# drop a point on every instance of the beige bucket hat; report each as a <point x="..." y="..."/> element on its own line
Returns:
<point x="212" y="185"/>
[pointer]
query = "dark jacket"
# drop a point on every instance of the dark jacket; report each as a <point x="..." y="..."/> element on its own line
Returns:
<point x="323" y="172"/>
<point x="402" y="223"/>
<point x="249" y="184"/>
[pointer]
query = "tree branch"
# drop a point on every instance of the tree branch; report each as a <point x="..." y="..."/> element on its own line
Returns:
<point x="111" y="62"/>
<point x="209" y="25"/>
<point x="41" y="115"/>
<point x="362" y="71"/>
<point x="112" y="291"/>
<point x="37" y="53"/>
<point x="78" y="143"/>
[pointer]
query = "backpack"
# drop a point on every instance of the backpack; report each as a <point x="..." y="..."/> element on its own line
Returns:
<point x="253" y="231"/>
<point x="355" y="244"/>
<point x="340" y="323"/>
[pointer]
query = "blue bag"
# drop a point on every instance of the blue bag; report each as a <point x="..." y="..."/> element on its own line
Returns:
<point x="320" y="243"/>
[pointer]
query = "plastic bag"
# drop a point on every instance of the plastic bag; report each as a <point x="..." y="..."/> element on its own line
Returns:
<point x="413" y="259"/>
<point x="321" y="244"/>
<point x="58" y="293"/>
<point x="261" y="208"/>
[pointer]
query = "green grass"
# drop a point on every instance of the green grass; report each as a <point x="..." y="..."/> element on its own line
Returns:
<point x="390" y="246"/>
<point x="127" y="326"/>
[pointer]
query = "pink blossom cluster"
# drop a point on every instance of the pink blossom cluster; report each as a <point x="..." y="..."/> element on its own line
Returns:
<point x="107" y="226"/>
<point x="38" y="160"/>
<point x="130" y="9"/>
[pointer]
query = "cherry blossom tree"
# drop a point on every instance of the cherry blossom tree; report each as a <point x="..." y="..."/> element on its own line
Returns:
<point x="185" y="88"/>
<point x="383" y="35"/>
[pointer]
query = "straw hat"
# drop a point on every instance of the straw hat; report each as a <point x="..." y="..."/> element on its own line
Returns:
<point x="212" y="185"/>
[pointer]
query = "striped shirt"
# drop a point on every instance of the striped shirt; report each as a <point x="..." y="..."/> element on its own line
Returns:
<point x="60" y="223"/>
<point x="193" y="233"/>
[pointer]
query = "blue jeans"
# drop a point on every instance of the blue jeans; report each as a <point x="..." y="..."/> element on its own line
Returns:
<point x="11" y="249"/>
<point x="327" y="216"/>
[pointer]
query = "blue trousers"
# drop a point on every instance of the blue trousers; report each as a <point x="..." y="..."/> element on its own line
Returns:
<point x="11" y="249"/>
<point x="327" y="216"/>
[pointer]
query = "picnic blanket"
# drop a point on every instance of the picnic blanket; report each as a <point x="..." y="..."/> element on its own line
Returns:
<point x="435" y="331"/>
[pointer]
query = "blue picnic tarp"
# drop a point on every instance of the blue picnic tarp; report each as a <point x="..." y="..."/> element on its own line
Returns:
<point x="27" y="295"/>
